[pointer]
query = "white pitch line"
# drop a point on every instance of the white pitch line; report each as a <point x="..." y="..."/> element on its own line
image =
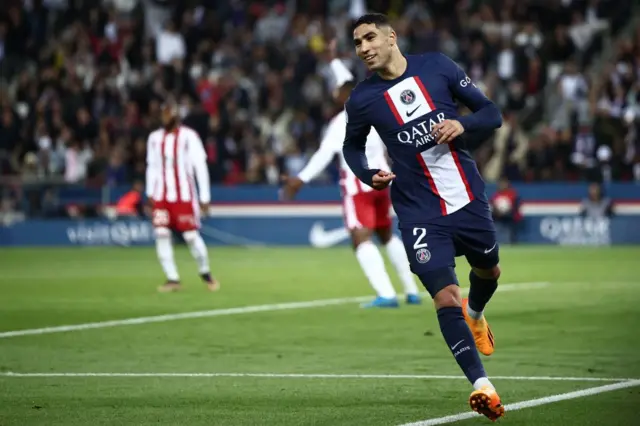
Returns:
<point x="530" y="403"/>
<point x="315" y="376"/>
<point x="223" y="312"/>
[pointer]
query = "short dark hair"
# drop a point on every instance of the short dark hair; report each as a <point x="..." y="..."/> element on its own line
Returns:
<point x="377" y="19"/>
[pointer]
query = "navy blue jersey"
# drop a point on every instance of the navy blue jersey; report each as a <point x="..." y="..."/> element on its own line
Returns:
<point x="431" y="180"/>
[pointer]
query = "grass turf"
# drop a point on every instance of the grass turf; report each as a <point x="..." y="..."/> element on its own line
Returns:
<point x="581" y="324"/>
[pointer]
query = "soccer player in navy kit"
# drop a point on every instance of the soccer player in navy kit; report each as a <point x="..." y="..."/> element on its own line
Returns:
<point x="436" y="189"/>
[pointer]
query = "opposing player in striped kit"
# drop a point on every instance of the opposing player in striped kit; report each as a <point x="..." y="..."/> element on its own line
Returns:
<point x="176" y="161"/>
<point x="365" y="210"/>
<point x="437" y="192"/>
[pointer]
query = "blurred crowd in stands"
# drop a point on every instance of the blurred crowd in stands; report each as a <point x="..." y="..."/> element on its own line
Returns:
<point x="82" y="81"/>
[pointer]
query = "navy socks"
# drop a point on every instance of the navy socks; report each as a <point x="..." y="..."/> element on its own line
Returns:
<point x="461" y="343"/>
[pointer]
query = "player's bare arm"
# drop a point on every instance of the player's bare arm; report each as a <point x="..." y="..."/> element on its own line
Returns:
<point x="291" y="187"/>
<point x="334" y="134"/>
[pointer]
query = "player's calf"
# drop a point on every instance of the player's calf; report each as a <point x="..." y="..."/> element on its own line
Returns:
<point x="458" y="337"/>
<point x="372" y="264"/>
<point x="398" y="257"/>
<point x="164" y="250"/>
<point x="199" y="251"/>
<point x="484" y="283"/>
<point x="456" y="333"/>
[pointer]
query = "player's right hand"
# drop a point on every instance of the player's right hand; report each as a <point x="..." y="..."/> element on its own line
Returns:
<point x="291" y="187"/>
<point x="382" y="179"/>
<point x="148" y="207"/>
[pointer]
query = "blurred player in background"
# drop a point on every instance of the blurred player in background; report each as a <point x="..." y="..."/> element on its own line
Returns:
<point x="176" y="160"/>
<point x="437" y="192"/>
<point x="365" y="211"/>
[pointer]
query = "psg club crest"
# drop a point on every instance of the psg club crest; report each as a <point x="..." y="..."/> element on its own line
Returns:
<point x="407" y="97"/>
<point x="423" y="255"/>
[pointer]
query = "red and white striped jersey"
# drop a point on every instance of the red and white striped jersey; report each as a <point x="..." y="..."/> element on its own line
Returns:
<point x="176" y="160"/>
<point x="332" y="144"/>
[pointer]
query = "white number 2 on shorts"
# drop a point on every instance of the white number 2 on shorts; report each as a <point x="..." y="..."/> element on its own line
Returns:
<point x="421" y="233"/>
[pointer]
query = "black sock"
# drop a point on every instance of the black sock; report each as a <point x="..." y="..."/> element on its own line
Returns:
<point x="480" y="291"/>
<point x="460" y="341"/>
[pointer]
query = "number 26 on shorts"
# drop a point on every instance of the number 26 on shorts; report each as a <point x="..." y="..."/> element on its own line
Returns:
<point x="420" y="233"/>
<point x="160" y="218"/>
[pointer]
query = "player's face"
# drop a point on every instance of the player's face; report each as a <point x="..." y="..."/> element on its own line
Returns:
<point x="373" y="45"/>
<point x="168" y="118"/>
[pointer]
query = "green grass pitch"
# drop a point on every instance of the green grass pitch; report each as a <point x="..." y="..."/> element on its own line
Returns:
<point x="563" y="313"/>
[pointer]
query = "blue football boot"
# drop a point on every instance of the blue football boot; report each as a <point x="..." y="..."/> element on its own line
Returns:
<point x="413" y="299"/>
<point x="381" y="302"/>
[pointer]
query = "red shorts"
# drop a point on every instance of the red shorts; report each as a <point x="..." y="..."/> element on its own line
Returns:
<point x="370" y="210"/>
<point x="180" y="216"/>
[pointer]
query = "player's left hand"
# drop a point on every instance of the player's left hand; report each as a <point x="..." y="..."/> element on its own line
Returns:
<point x="292" y="185"/>
<point x="447" y="131"/>
<point x="204" y="209"/>
<point x="382" y="179"/>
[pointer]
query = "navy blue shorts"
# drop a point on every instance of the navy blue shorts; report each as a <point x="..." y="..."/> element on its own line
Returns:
<point x="433" y="246"/>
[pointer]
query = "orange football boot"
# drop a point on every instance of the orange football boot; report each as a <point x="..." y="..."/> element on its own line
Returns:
<point x="480" y="329"/>
<point x="486" y="401"/>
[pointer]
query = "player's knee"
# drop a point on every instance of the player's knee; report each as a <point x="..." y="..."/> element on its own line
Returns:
<point x="448" y="297"/>
<point x="359" y="236"/>
<point x="384" y="234"/>
<point x="161" y="232"/>
<point x="492" y="273"/>
<point x="190" y="236"/>
<point x="437" y="280"/>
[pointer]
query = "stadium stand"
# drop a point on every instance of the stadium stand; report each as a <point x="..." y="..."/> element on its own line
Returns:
<point x="82" y="82"/>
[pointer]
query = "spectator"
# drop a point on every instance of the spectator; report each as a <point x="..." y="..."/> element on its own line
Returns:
<point x="505" y="207"/>
<point x="82" y="82"/>
<point x="596" y="205"/>
<point x="131" y="204"/>
<point x="509" y="150"/>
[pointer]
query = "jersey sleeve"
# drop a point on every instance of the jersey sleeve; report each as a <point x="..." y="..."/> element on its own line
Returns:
<point x="198" y="158"/>
<point x="153" y="171"/>
<point x="355" y="143"/>
<point x="329" y="147"/>
<point x="485" y="114"/>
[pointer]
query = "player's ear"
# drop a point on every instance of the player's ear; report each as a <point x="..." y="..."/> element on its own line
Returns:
<point x="393" y="37"/>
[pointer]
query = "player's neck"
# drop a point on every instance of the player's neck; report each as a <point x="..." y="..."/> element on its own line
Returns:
<point x="172" y="128"/>
<point x="396" y="67"/>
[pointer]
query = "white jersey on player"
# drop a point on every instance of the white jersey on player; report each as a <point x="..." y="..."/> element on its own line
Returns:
<point x="175" y="161"/>
<point x="332" y="144"/>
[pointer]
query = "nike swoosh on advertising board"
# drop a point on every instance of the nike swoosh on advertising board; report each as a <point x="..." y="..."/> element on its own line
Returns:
<point x="321" y="238"/>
